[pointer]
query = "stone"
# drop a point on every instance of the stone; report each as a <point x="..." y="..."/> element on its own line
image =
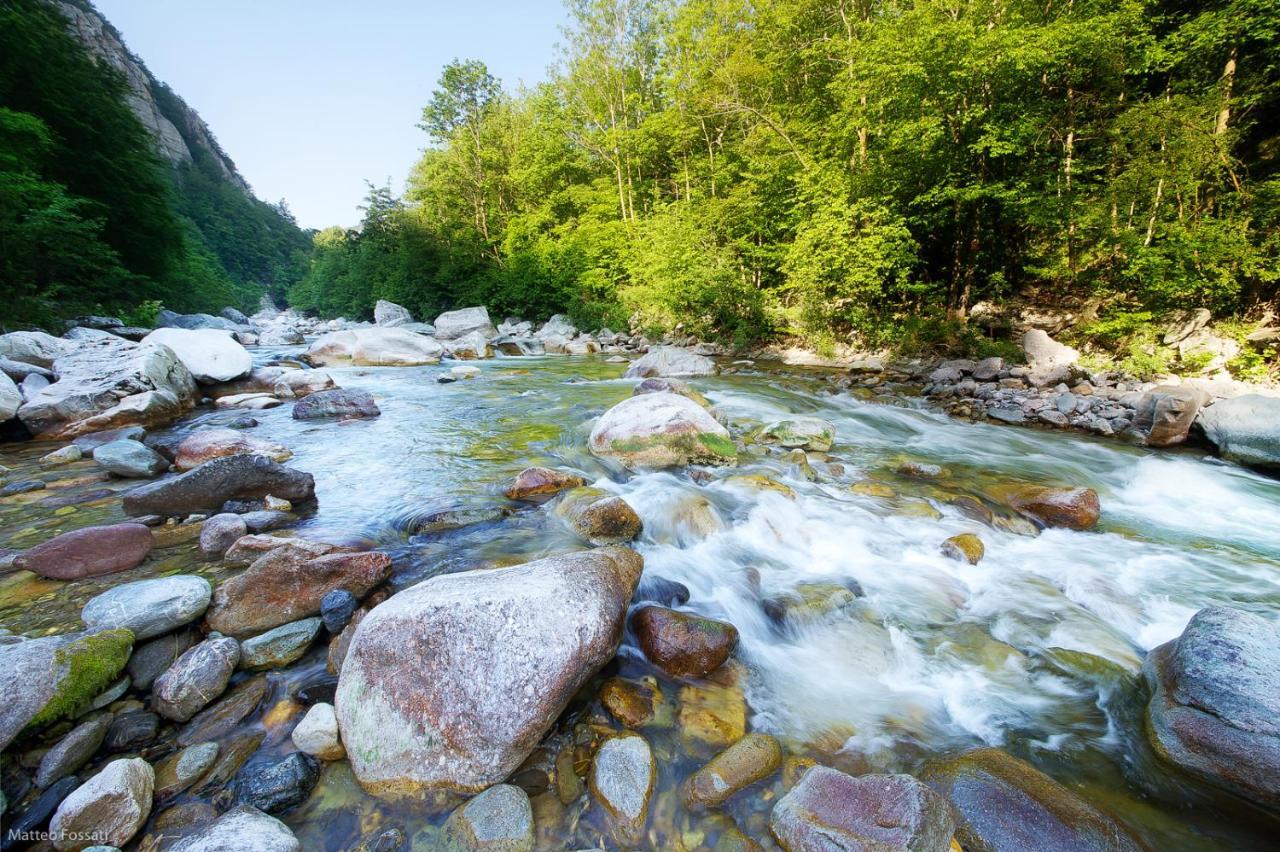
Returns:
<point x="279" y="786"/>
<point x="1048" y="362"/>
<point x="828" y="809"/>
<point x="221" y="718"/>
<point x="63" y="455"/>
<point x="235" y="315"/>
<point x="374" y="347"/>
<point x="633" y="703"/>
<point x="468" y="347"/>
<point x="72" y="751"/>
<point x="88" y="552"/>
<point x="208" y="444"/>
<point x="537" y="484"/>
<point x="662" y="590"/>
<point x="965" y="547"/>
<point x="339" y="403"/>
<point x="37" y="814"/>
<point x="197" y="677"/>
<point x="213" y="483"/>
<point x="622" y="779"/>
<point x="713" y="714"/>
<point x="240" y="829"/>
<point x="499" y="819"/>
<point x="988" y="369"/>
<point x="452" y="325"/>
<point x="284" y="586"/>
<point x="1003" y="803"/>
<point x="1165" y="414"/>
<point x="336" y="609"/>
<point x="660" y="430"/>
<point x="317" y="733"/>
<point x="151" y="659"/>
<point x="809" y="433"/>
<point x="751" y="759"/>
<point x="210" y="355"/>
<point x="1072" y="508"/>
<point x="170" y="319"/>
<point x="599" y="517"/>
<point x="179" y="771"/>
<point x="280" y="646"/>
<point x="264" y="520"/>
<point x="110" y="807"/>
<point x="149" y="608"/>
<point x="670" y="361"/>
<point x="219" y="532"/>
<point x="90" y="442"/>
<point x="389" y="314"/>
<point x="451" y="683"/>
<point x="1245" y="429"/>
<point x="1215" y="704"/>
<point x="132" y="731"/>
<point x="465" y="371"/>
<point x="250" y="548"/>
<point x="682" y="644"/>
<point x="809" y="603"/>
<point x="32" y="347"/>
<point x="130" y="459"/>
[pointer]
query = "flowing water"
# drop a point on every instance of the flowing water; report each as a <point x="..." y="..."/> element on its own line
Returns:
<point x="1037" y="648"/>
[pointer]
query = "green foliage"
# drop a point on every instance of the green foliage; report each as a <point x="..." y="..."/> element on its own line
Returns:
<point x="144" y="314"/>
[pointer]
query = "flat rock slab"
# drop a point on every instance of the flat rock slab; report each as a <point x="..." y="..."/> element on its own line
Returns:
<point x="88" y="552"/>
<point x="215" y="482"/>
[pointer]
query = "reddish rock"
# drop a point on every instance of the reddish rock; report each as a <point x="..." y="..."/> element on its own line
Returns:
<point x="535" y="484"/>
<point x="250" y="548"/>
<point x="208" y="444"/>
<point x="1073" y="508"/>
<point x="88" y="552"/>
<point x="285" y="586"/>
<point x="682" y="644"/>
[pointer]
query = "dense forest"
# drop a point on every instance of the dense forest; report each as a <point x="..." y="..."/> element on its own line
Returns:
<point x="838" y="168"/>
<point x="91" y="219"/>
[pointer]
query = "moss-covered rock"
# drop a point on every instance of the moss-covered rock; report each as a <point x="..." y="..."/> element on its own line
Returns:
<point x="658" y="430"/>
<point x="965" y="547"/>
<point x="599" y="517"/>
<point x="809" y="433"/>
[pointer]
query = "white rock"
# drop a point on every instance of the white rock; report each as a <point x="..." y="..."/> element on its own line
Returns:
<point x="10" y="398"/>
<point x="212" y="355"/>
<point x="389" y="314"/>
<point x="241" y="829"/>
<point x="622" y="778"/>
<point x="656" y="430"/>
<point x="451" y="325"/>
<point x="670" y="361"/>
<point x="33" y="347"/>
<point x="1048" y="361"/>
<point x="470" y="345"/>
<point x="109" y="808"/>
<point x="317" y="733"/>
<point x="374" y="347"/>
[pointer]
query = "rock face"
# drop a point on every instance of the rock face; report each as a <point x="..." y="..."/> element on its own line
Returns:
<point x="659" y="430"/>
<point x="389" y="314"/>
<point x="104" y="384"/>
<point x="1048" y="361"/>
<point x="284" y="586"/>
<point x="242" y="828"/>
<point x="622" y="778"/>
<point x="196" y="678"/>
<point x="670" y="361"/>
<point x="452" y="325"/>
<point x="1215" y="705"/>
<point x="810" y="433"/>
<point x="210" y="354"/>
<point x="1002" y="803"/>
<point x="215" y="482"/>
<point x="130" y="459"/>
<point x="149" y="608"/>
<point x="451" y="683"/>
<point x="599" y="517"/>
<point x="752" y="758"/>
<point x="88" y="552"/>
<point x="1165" y="414"/>
<point x="832" y="810"/>
<point x="374" y="347"/>
<point x="536" y="484"/>
<point x="345" y="404"/>
<point x="682" y="644"/>
<point x="208" y="444"/>
<point x="1245" y="429"/>
<point x="1072" y="508"/>
<point x="499" y="819"/>
<point x="109" y="808"/>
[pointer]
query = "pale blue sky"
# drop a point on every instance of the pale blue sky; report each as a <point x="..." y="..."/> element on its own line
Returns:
<point x="311" y="98"/>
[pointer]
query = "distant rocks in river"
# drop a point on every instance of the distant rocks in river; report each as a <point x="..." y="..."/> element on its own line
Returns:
<point x="374" y="347"/>
<point x="670" y="361"/>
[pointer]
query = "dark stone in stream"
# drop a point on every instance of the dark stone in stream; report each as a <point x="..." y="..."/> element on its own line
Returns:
<point x="338" y="402"/>
<point x="661" y="590"/>
<point x="280" y="786"/>
<point x="22" y="487"/>
<point x="242" y="423"/>
<point x="446" y="380"/>
<point x="318" y="691"/>
<point x="152" y="659"/>
<point x="682" y="644"/>
<point x="213" y="483"/>
<point x="72" y="751"/>
<point x="131" y="731"/>
<point x="36" y="817"/>
<point x="336" y="609"/>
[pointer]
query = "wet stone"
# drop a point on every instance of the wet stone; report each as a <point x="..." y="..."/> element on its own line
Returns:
<point x="279" y="647"/>
<point x="752" y="758"/>
<point x="965" y="547"/>
<point x="151" y="659"/>
<point x="38" y="813"/>
<point x="149" y="608"/>
<point x="499" y="819"/>
<point x="633" y="703"/>
<point x="279" y="786"/>
<point x="72" y="751"/>
<point x="682" y="644"/>
<point x="179" y="771"/>
<point x="622" y="780"/>
<point x="132" y="731"/>
<point x="196" y="678"/>
<point x="223" y="716"/>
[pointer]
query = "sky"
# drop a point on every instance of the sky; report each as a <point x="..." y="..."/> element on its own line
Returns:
<point x="312" y="97"/>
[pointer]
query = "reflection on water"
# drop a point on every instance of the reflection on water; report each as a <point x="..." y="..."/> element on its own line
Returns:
<point x="934" y="656"/>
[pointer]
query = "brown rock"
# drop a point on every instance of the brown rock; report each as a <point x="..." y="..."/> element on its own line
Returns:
<point x="342" y="643"/>
<point x="88" y="552"/>
<point x="536" y="484"/>
<point x="682" y="644"/>
<point x="632" y="703"/>
<point x="282" y="587"/>
<point x="712" y="714"/>
<point x="208" y="444"/>
<point x="599" y="517"/>
<point x="965" y="547"/>
<point x="1165" y="414"/>
<point x="753" y="758"/>
<point x="1073" y="508"/>
<point x="250" y="548"/>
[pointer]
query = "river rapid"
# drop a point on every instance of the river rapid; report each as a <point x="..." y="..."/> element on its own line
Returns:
<point x="1037" y="648"/>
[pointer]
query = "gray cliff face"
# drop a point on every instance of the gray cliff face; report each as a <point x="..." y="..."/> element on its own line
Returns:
<point x="174" y="141"/>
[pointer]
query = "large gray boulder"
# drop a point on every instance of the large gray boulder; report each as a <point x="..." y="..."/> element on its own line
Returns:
<point x="451" y="325"/>
<point x="451" y="683"/>
<point x="657" y="430"/>
<point x="389" y="314"/>
<point x="1215" y="703"/>
<point x="1048" y="361"/>
<point x="33" y="347"/>
<point x="667" y="361"/>
<point x="1245" y="429"/>
<point x="109" y="808"/>
<point x="210" y="354"/>
<point x="213" y="483"/>
<point x="149" y="608"/>
<point x="374" y="347"/>
<point x="108" y="383"/>
<point x="197" y="677"/>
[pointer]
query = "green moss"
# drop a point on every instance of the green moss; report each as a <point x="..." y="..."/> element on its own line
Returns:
<point x="719" y="445"/>
<point x="89" y="665"/>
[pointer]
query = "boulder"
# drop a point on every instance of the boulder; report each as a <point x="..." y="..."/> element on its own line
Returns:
<point x="1003" y="803"/>
<point x="469" y="346"/>
<point x="209" y="354"/>
<point x="278" y="786"/>
<point x="208" y="444"/>
<point x="389" y="314"/>
<point x="1165" y="414"/>
<point x="33" y="347"/>
<point x="374" y="347"/>
<point x="107" y="384"/>
<point x="197" y="677"/>
<point x="218" y="533"/>
<point x="72" y="751"/>
<point x="235" y="315"/>
<point x="682" y="644"/>
<point x="1048" y="362"/>
<point x="558" y="326"/>
<point x="753" y="758"/>
<point x="598" y="516"/>
<point x="284" y="586"/>
<point x="538" y="484"/>
<point x="20" y="371"/>
<point x="345" y="404"/>
<point x="90" y="442"/>
<point x="336" y="609"/>
<point x="108" y="809"/>
<point x="169" y="319"/>
<point x="130" y="459"/>
<point x="10" y="398"/>
<point x="965" y="547"/>
<point x="498" y="820"/>
<point x="809" y="433"/>
<point x="1072" y="508"/>
<point x="622" y="778"/>
<point x="452" y="325"/>
<point x="1245" y="429"/>
<point x="451" y="683"/>
<point x="241" y="828"/>
<point x="88" y="552"/>
<point x="670" y="361"/>
<point x="831" y="810"/>
<point x="317" y="733"/>
<point x="149" y="608"/>
<point x="279" y="646"/>
<point x="152" y="659"/>
<point x="659" y="430"/>
<point x="179" y="771"/>
<point x="213" y="483"/>
<point x="1215" y="703"/>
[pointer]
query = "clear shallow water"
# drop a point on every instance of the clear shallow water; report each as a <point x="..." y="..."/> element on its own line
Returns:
<point x="936" y="656"/>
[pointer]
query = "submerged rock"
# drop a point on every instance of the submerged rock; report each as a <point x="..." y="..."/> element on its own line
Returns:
<point x="599" y="517"/>
<point x="130" y="459"/>
<point x="499" y="819"/>
<point x="72" y="751"/>
<point x="208" y="444"/>
<point x="211" y="355"/>
<point x="1245" y="429"/>
<point x="451" y="683"/>
<point x="341" y="403"/>
<point x="1072" y="508"/>
<point x="1002" y="803"/>
<point x="241" y="828"/>
<point x="634" y="704"/>
<point x="661" y="361"/>
<point x="682" y="644"/>
<point x="215" y="482"/>
<point x="753" y="758"/>
<point x="109" y="808"/>
<point x="88" y="552"/>
<point x="149" y="607"/>
<point x="536" y="484"/>
<point x="622" y="778"/>
<point x="659" y="430"/>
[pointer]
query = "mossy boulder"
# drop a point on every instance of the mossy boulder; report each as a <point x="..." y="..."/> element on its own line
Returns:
<point x="965" y="547"/>
<point x="598" y="516"/>
<point x="809" y="433"/>
<point x="660" y="430"/>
